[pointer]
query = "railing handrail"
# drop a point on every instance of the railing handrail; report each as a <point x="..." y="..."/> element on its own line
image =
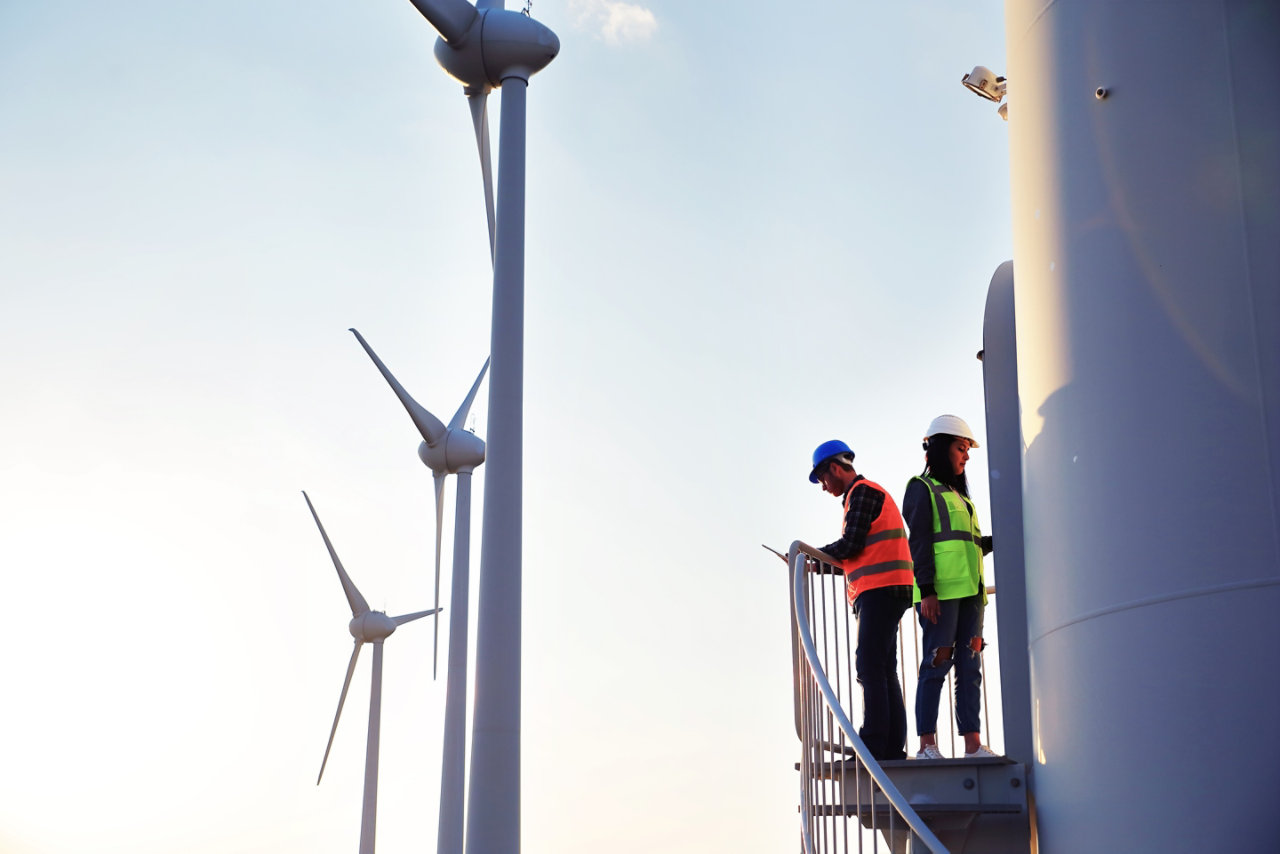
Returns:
<point x="835" y="709"/>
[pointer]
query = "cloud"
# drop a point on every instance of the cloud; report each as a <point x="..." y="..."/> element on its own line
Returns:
<point x="616" y="21"/>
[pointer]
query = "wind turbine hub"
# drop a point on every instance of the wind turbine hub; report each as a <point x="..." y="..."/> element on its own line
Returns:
<point x="463" y="450"/>
<point x="433" y="456"/>
<point x="500" y="44"/>
<point x="459" y="450"/>
<point x="371" y="627"/>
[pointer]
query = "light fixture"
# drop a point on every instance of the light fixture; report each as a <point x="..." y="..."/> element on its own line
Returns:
<point x="984" y="82"/>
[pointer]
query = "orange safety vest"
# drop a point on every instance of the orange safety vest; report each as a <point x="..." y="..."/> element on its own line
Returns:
<point x="886" y="559"/>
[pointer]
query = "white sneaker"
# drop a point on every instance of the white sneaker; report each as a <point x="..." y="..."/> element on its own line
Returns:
<point x="983" y="752"/>
<point x="929" y="751"/>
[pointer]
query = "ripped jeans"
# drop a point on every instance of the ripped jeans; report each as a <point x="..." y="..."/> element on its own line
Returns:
<point x="959" y="627"/>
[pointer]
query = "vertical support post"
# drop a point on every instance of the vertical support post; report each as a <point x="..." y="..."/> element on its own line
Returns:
<point x="453" y="767"/>
<point x="1004" y="441"/>
<point x="493" y="800"/>
<point x="369" y="815"/>
<point x="1004" y="470"/>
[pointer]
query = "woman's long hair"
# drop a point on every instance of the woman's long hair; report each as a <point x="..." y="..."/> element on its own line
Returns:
<point x="937" y="463"/>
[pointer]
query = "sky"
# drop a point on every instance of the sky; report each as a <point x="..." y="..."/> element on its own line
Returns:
<point x="748" y="231"/>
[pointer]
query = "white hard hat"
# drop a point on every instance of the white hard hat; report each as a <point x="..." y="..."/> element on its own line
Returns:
<point x="952" y="425"/>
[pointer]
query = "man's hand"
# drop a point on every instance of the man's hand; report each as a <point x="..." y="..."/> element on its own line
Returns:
<point x="930" y="609"/>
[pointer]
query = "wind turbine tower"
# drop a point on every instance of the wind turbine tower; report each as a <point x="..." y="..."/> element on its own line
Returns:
<point x="488" y="47"/>
<point x="366" y="626"/>
<point x="1145" y="181"/>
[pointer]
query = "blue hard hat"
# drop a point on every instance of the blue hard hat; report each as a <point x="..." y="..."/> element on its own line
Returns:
<point x="826" y="451"/>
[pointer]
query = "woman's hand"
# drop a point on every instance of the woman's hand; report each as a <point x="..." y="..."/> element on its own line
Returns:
<point x="930" y="609"/>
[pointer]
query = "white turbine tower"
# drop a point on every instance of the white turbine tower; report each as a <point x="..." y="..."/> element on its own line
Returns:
<point x="366" y="626"/>
<point x="486" y="47"/>
<point x="449" y="450"/>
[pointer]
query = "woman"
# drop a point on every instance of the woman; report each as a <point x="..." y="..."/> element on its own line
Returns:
<point x="947" y="548"/>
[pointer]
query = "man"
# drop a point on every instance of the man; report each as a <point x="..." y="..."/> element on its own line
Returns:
<point x="873" y="554"/>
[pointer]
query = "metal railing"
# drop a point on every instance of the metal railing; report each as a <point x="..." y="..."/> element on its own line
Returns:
<point x="840" y="780"/>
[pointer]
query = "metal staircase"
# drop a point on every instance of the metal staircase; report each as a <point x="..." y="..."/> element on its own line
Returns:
<point x="848" y="800"/>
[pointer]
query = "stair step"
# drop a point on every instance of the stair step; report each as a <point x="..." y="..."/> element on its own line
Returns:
<point x="828" y="770"/>
<point x="924" y="810"/>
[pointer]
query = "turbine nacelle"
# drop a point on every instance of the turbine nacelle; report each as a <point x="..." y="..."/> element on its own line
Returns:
<point x="499" y="44"/>
<point x="459" y="450"/>
<point x="371" y="627"/>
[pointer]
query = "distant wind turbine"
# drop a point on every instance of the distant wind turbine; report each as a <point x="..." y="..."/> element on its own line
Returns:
<point x="366" y="626"/>
<point x="445" y="450"/>
<point x="449" y="450"/>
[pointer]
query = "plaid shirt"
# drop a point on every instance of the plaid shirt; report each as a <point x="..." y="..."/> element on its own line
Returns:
<point x="864" y="506"/>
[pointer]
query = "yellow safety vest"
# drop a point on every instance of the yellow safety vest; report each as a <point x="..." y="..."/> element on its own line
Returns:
<point x="957" y="544"/>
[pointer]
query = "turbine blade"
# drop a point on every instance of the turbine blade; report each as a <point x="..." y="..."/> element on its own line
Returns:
<point x="416" y="615"/>
<point x="346" y="683"/>
<point x="460" y="416"/>
<point x="354" y="599"/>
<point x="439" y="484"/>
<point x="428" y="425"/>
<point x="478" y="99"/>
<point x="451" y="18"/>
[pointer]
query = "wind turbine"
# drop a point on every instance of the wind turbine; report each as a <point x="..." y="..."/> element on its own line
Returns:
<point x="444" y="450"/>
<point x="486" y="47"/>
<point x="449" y="450"/>
<point x="366" y="626"/>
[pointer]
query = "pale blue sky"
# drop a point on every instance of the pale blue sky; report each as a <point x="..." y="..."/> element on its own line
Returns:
<point x="751" y="227"/>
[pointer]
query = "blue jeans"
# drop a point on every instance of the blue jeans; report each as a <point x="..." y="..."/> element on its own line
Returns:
<point x="884" y="714"/>
<point x="959" y="628"/>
